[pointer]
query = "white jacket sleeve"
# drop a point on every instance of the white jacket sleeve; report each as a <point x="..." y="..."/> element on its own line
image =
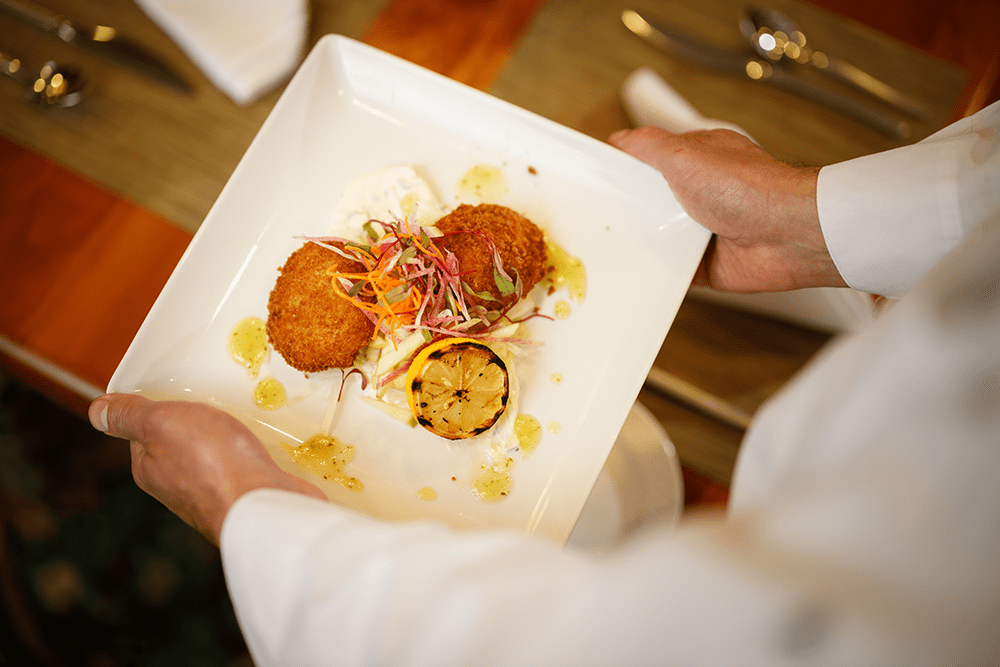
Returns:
<point x="313" y="584"/>
<point x="889" y="217"/>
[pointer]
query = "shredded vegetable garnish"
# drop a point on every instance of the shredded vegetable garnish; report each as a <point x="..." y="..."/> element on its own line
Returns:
<point x="409" y="284"/>
<point x="346" y="374"/>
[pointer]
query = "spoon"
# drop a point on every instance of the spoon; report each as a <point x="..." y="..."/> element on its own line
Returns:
<point x="52" y="85"/>
<point x="774" y="35"/>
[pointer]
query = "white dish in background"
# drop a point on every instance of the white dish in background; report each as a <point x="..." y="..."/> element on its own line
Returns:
<point x="351" y="109"/>
<point x="640" y="485"/>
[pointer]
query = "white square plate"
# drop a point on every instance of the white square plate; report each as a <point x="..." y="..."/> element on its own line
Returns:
<point x="351" y="109"/>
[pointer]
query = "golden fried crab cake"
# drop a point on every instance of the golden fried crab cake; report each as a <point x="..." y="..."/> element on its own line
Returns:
<point x="311" y="327"/>
<point x="519" y="241"/>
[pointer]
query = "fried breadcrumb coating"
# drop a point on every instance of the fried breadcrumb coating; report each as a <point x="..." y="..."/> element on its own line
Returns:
<point x="519" y="241"/>
<point x="311" y="327"/>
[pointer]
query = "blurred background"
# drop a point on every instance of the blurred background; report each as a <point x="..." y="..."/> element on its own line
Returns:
<point x="98" y="200"/>
<point x="93" y="570"/>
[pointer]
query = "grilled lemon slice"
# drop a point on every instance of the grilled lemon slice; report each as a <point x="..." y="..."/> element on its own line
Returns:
<point x="457" y="388"/>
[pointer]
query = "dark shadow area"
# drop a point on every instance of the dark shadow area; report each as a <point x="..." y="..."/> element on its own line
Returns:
<point x="93" y="571"/>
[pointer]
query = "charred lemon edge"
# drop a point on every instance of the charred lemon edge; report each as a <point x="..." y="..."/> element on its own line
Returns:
<point x="419" y="363"/>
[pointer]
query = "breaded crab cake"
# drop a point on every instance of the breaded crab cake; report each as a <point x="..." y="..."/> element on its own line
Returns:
<point x="519" y="241"/>
<point x="311" y="327"/>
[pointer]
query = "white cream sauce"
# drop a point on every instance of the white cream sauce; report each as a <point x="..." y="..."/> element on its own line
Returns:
<point x="385" y="194"/>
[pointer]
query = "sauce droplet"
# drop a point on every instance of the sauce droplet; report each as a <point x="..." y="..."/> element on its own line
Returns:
<point x="528" y="432"/>
<point x="325" y="456"/>
<point x="427" y="493"/>
<point x="269" y="394"/>
<point x="494" y="481"/>
<point x="556" y="378"/>
<point x="554" y="427"/>
<point x="565" y="271"/>
<point x="483" y="182"/>
<point x="248" y="344"/>
<point x="562" y="310"/>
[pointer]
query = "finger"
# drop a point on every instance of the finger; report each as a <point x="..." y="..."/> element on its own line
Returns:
<point x="641" y="141"/>
<point x="98" y="414"/>
<point x="618" y="138"/>
<point x="662" y="150"/>
<point x="121" y="415"/>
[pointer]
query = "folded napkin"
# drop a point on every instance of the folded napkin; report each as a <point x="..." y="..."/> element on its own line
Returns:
<point x="245" y="47"/>
<point x="649" y="100"/>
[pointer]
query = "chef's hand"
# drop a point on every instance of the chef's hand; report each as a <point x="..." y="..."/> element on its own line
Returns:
<point x="762" y="211"/>
<point x="193" y="458"/>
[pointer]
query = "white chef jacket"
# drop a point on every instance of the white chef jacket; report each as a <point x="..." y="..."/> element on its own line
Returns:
<point x="864" y="520"/>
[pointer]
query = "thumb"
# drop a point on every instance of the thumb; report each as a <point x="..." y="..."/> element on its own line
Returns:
<point x="120" y="415"/>
<point x="641" y="140"/>
<point x="652" y="145"/>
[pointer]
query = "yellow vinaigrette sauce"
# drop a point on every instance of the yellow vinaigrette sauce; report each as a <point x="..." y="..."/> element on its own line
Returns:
<point x="248" y="344"/>
<point x="494" y="482"/>
<point x="565" y="271"/>
<point x="248" y="348"/>
<point x="528" y="432"/>
<point x="269" y="394"/>
<point x="325" y="456"/>
<point x="484" y="182"/>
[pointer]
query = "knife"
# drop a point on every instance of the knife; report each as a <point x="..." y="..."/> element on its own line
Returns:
<point x="712" y="57"/>
<point x="102" y="40"/>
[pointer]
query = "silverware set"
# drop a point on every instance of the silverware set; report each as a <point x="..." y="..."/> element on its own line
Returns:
<point x="774" y="35"/>
<point x="52" y="85"/>
<point x="778" y="54"/>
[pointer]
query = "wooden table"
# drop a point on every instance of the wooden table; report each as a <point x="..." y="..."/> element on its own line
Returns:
<point x="98" y="202"/>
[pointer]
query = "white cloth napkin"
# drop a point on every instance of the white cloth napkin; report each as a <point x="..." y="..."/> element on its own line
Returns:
<point x="245" y="47"/>
<point x="649" y="100"/>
